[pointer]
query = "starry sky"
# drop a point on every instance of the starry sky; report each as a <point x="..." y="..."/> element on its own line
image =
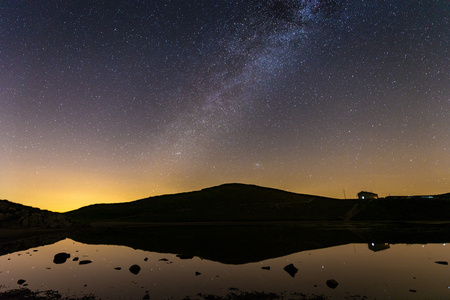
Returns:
<point x="112" y="101"/>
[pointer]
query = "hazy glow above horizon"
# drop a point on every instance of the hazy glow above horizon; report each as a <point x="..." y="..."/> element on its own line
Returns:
<point x="115" y="102"/>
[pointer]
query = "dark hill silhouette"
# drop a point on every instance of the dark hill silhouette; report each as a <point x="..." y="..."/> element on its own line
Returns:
<point x="241" y="202"/>
<point x="16" y="216"/>
<point x="228" y="202"/>
<point x="24" y="226"/>
<point x="232" y="217"/>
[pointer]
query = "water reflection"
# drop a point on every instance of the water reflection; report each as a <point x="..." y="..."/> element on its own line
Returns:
<point x="378" y="246"/>
<point x="256" y="242"/>
<point x="115" y="272"/>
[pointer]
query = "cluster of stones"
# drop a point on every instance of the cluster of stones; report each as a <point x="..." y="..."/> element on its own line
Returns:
<point x="16" y="215"/>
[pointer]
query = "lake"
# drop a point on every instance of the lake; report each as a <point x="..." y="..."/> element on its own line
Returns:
<point x="372" y="270"/>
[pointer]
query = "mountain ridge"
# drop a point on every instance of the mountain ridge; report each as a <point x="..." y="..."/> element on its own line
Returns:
<point x="15" y="215"/>
<point x="235" y="202"/>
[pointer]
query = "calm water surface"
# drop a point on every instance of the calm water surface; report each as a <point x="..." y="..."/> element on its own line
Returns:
<point x="377" y="271"/>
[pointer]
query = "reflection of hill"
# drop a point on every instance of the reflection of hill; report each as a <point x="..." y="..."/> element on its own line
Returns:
<point x="239" y="202"/>
<point x="255" y="241"/>
<point x="30" y="239"/>
<point x="375" y="247"/>
<point x="228" y="244"/>
<point x="243" y="243"/>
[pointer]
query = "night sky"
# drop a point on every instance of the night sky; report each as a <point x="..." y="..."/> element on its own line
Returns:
<point x="112" y="101"/>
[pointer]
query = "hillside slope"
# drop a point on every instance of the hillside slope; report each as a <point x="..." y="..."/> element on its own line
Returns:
<point x="406" y="209"/>
<point x="16" y="216"/>
<point x="228" y="202"/>
<point x="241" y="202"/>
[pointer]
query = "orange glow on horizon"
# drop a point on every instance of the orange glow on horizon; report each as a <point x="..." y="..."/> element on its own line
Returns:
<point x="65" y="193"/>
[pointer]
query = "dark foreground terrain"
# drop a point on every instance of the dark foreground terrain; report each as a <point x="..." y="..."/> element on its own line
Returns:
<point x="236" y="295"/>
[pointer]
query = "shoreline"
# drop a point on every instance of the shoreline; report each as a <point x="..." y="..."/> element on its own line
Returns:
<point x="170" y="235"/>
<point x="106" y="224"/>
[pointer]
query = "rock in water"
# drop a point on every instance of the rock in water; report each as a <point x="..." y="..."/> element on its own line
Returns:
<point x="21" y="281"/>
<point x="291" y="270"/>
<point x="61" y="258"/>
<point x="332" y="284"/>
<point x="441" y="262"/>
<point x="135" y="269"/>
<point x="85" y="262"/>
<point x="265" y="268"/>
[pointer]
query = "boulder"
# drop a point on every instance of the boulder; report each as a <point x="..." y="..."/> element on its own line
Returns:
<point x="135" y="269"/>
<point x="291" y="270"/>
<point x="61" y="258"/>
<point x="25" y="222"/>
<point x="332" y="284"/>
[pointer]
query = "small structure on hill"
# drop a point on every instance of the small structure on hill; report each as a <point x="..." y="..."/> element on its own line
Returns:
<point x="367" y="195"/>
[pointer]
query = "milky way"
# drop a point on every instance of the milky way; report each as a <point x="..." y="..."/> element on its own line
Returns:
<point x="115" y="100"/>
<point x="252" y="51"/>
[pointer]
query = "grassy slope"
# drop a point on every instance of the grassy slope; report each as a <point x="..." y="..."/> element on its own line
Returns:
<point x="229" y="202"/>
<point x="239" y="202"/>
<point x="16" y="216"/>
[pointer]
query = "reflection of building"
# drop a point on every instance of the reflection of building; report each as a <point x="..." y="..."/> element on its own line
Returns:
<point x="398" y="197"/>
<point x="423" y="197"/>
<point x="367" y="195"/>
<point x="378" y="246"/>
